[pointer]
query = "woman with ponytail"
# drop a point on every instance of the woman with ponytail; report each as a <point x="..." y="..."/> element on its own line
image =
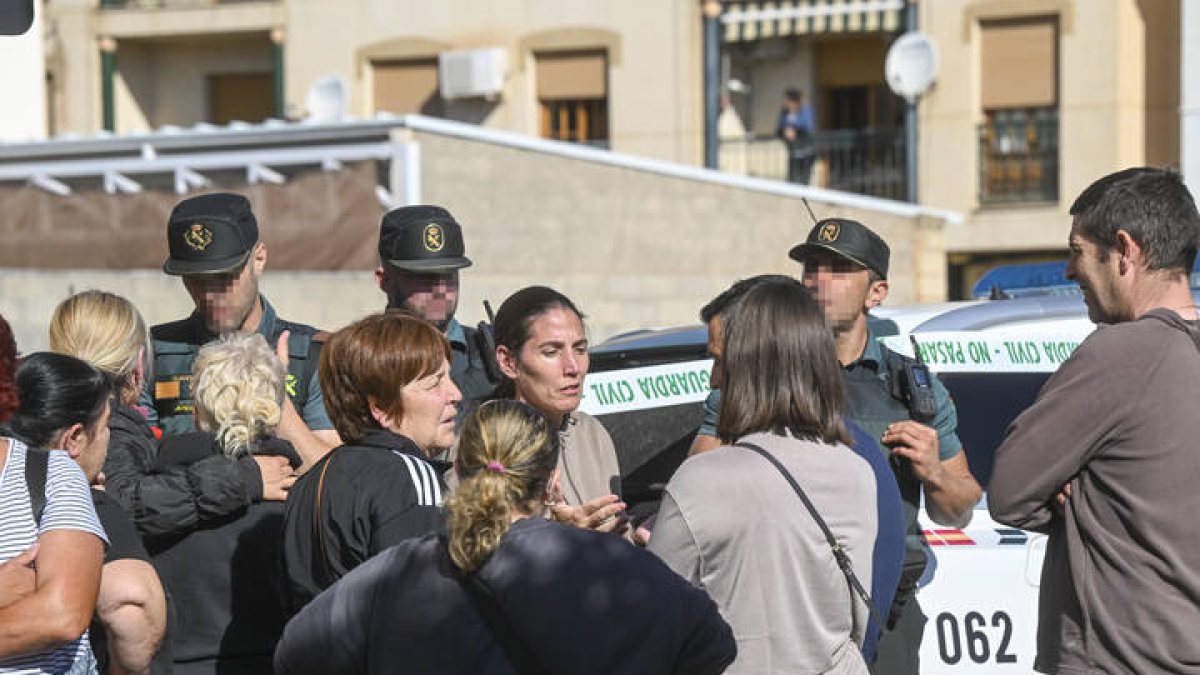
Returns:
<point x="507" y="590"/>
<point x="224" y="578"/>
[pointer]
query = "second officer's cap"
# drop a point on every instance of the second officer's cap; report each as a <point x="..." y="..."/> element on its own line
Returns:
<point x="849" y="239"/>
<point x="422" y="239"/>
<point x="210" y="234"/>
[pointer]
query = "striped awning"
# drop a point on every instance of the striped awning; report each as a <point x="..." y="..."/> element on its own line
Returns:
<point x="748" y="21"/>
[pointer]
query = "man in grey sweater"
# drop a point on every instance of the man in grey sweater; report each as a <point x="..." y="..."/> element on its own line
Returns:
<point x="1105" y="461"/>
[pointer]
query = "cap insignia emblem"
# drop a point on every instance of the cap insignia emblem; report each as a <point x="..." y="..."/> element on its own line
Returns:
<point x="829" y="232"/>
<point x="198" y="237"/>
<point x="434" y="238"/>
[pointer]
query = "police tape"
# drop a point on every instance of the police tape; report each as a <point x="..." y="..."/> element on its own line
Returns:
<point x="649" y="387"/>
<point x="1009" y="350"/>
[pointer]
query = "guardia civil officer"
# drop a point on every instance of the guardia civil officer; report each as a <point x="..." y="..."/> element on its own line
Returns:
<point x="214" y="247"/>
<point x="420" y="253"/>
<point x="846" y="265"/>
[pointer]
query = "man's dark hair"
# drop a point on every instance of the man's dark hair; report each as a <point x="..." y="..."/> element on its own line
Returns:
<point x="793" y="94"/>
<point x="1152" y="205"/>
<point x="717" y="306"/>
<point x="780" y="370"/>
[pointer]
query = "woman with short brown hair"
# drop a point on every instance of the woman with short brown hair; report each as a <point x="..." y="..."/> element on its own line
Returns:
<point x="386" y="381"/>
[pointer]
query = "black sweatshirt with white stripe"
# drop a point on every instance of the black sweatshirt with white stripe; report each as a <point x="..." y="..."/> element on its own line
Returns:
<point x="359" y="500"/>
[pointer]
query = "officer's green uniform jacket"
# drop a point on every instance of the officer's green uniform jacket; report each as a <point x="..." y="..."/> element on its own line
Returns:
<point x="875" y="399"/>
<point x="169" y="398"/>
<point x="467" y="366"/>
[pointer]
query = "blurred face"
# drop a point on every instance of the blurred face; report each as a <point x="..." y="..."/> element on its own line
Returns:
<point x="430" y="404"/>
<point x="549" y="369"/>
<point x="842" y="288"/>
<point x="715" y="337"/>
<point x="88" y="447"/>
<point x="433" y="296"/>
<point x="226" y="302"/>
<point x="1098" y="271"/>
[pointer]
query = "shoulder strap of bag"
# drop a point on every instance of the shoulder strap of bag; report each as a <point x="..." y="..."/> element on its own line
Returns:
<point x="839" y="553"/>
<point x="37" y="463"/>
<point x="326" y="568"/>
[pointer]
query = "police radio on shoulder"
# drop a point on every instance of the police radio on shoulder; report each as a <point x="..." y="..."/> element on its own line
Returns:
<point x="918" y="385"/>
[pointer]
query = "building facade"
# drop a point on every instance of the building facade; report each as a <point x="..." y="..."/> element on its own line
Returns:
<point x="622" y="74"/>
<point x="1033" y="100"/>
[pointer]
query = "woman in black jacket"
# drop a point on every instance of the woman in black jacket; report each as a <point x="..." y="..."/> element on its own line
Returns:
<point x="387" y="386"/>
<point x="508" y="591"/>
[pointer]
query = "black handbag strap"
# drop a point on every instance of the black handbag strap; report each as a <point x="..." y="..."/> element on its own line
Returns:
<point x="37" y="463"/>
<point x="319" y="525"/>
<point x="839" y="552"/>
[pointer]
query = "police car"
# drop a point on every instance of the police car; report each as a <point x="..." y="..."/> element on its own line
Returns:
<point x="647" y="388"/>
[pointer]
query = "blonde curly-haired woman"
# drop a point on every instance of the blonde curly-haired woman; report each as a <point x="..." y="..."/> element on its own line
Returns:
<point x="225" y="578"/>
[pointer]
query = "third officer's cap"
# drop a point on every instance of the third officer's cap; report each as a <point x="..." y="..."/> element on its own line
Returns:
<point x="422" y="239"/>
<point x="849" y="239"/>
<point x="210" y="234"/>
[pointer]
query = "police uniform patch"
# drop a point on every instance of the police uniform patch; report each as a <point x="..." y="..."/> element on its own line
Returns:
<point x="198" y="237"/>
<point x="830" y="231"/>
<point x="168" y="389"/>
<point x="433" y="238"/>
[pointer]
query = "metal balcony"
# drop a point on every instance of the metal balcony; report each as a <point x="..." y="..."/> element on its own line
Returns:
<point x="864" y="161"/>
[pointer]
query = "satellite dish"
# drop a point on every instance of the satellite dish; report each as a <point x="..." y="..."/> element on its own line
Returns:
<point x="326" y="100"/>
<point x="911" y="65"/>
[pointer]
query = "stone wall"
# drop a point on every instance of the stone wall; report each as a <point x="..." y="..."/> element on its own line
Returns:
<point x="636" y="244"/>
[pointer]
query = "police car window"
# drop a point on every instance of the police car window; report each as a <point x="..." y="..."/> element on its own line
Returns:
<point x="987" y="403"/>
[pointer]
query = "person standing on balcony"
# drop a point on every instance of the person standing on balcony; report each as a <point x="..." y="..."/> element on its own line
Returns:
<point x="796" y="128"/>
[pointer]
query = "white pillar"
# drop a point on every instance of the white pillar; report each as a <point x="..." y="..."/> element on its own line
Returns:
<point x="405" y="181"/>
<point x="1189" y="88"/>
<point x="23" y="78"/>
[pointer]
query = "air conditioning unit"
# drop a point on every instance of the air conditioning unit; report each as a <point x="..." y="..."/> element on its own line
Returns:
<point x="472" y="72"/>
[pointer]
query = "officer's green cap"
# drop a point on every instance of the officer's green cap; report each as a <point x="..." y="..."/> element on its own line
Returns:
<point x="422" y="239"/>
<point x="849" y="239"/>
<point x="210" y="234"/>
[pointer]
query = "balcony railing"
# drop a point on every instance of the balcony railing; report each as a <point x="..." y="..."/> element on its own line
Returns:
<point x="1018" y="156"/>
<point x="867" y="161"/>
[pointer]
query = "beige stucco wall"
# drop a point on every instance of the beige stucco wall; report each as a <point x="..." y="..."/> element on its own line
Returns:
<point x="1114" y="110"/>
<point x="655" y="77"/>
<point x="167" y="80"/>
<point x="654" y="57"/>
<point x="73" y="55"/>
